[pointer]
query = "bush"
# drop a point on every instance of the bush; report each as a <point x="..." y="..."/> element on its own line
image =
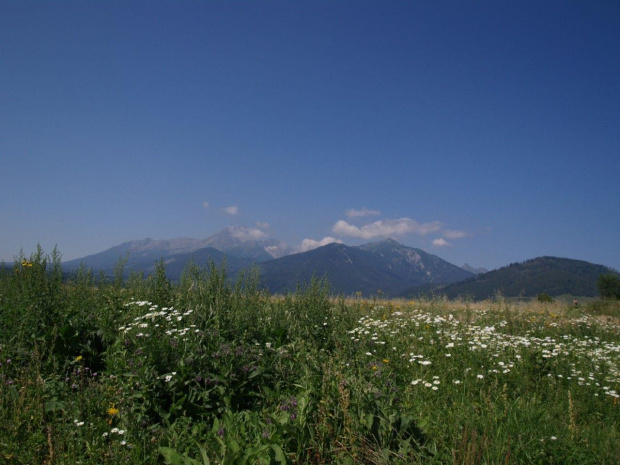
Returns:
<point x="609" y="286"/>
<point x="544" y="298"/>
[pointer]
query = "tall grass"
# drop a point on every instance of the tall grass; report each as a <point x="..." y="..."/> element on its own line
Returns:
<point x="203" y="371"/>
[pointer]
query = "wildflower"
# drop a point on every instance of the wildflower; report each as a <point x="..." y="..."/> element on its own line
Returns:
<point x="480" y="376"/>
<point x="112" y="411"/>
<point x="78" y="358"/>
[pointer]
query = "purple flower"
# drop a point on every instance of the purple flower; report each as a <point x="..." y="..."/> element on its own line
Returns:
<point x="221" y="432"/>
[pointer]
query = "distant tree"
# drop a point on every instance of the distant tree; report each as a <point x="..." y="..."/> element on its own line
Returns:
<point x="609" y="286"/>
<point x="544" y="298"/>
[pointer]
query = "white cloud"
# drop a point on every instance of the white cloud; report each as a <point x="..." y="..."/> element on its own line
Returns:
<point x="232" y="210"/>
<point x="452" y="234"/>
<point x="262" y="225"/>
<point x="245" y="234"/>
<point x="352" y="213"/>
<point x="309" y="244"/>
<point x="384" y="228"/>
<point x="441" y="242"/>
<point x="205" y="204"/>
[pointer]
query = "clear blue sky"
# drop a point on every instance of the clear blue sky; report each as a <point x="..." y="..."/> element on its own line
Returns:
<point x="484" y="132"/>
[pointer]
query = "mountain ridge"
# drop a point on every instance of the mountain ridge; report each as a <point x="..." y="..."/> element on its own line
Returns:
<point x="554" y="276"/>
<point x="386" y="265"/>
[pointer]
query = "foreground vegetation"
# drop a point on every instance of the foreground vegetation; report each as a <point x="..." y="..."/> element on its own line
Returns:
<point x="203" y="372"/>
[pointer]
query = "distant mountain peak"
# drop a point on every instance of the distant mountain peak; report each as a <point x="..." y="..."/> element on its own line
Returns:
<point x="473" y="270"/>
<point x="386" y="265"/>
<point x="389" y="240"/>
<point x="246" y="242"/>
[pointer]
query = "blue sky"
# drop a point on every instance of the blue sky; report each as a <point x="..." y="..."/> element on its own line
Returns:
<point x="483" y="132"/>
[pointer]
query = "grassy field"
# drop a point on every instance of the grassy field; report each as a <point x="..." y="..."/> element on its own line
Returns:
<point x="140" y="371"/>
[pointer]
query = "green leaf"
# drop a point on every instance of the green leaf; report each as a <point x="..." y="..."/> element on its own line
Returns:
<point x="203" y="453"/>
<point x="234" y="446"/>
<point x="53" y="405"/>
<point x="172" y="457"/>
<point x="279" y="456"/>
<point x="251" y="454"/>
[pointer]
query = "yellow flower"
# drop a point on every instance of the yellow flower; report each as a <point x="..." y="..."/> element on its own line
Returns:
<point x="374" y="367"/>
<point x="385" y="360"/>
<point x="112" y="411"/>
<point x="78" y="358"/>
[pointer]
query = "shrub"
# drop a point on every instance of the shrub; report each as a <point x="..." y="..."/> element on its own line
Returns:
<point x="609" y="286"/>
<point x="544" y="298"/>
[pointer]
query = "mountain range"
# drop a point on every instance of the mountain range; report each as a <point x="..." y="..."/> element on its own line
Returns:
<point x="386" y="266"/>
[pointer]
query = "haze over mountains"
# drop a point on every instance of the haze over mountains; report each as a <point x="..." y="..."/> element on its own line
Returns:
<point x="388" y="266"/>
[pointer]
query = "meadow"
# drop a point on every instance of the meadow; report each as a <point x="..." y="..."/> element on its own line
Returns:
<point x="139" y="370"/>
